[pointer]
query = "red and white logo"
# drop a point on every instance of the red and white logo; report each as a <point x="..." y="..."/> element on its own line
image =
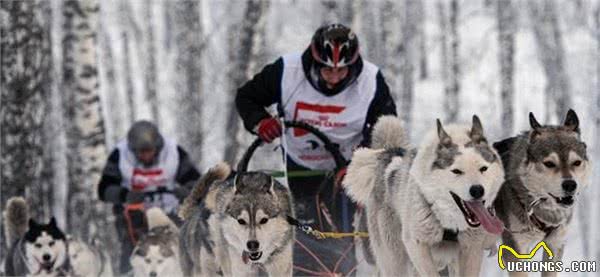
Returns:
<point x="317" y="115"/>
<point x="144" y="179"/>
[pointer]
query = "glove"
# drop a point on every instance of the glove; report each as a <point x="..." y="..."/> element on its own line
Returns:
<point x="133" y="197"/>
<point x="269" y="129"/>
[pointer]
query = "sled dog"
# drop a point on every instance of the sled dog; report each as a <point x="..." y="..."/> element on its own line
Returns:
<point x="431" y="207"/>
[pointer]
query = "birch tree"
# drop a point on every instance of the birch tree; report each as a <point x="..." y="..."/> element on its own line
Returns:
<point x="242" y="45"/>
<point x="85" y="128"/>
<point x="551" y="53"/>
<point x="452" y="83"/>
<point x="150" y="61"/>
<point x="24" y="58"/>
<point x="406" y="53"/>
<point x="189" y="57"/>
<point x="505" y="15"/>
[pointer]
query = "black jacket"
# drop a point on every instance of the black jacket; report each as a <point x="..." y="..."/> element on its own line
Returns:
<point x="265" y="89"/>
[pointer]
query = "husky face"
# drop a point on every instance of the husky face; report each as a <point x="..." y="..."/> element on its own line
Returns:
<point x="45" y="247"/>
<point x="255" y="222"/>
<point x="460" y="177"/>
<point x="557" y="166"/>
<point x="155" y="255"/>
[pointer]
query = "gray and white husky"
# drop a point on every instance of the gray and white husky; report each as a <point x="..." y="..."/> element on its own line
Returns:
<point x="546" y="167"/>
<point x="157" y="251"/>
<point x="431" y="207"/>
<point x="237" y="226"/>
<point x="34" y="249"/>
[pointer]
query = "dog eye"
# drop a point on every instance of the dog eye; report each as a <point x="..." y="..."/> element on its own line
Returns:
<point x="51" y="243"/>
<point x="576" y="163"/>
<point x="241" y="221"/>
<point x="159" y="261"/>
<point x="264" y="220"/>
<point x="148" y="261"/>
<point x="483" y="169"/>
<point x="38" y="245"/>
<point x="550" y="164"/>
<point x="457" y="171"/>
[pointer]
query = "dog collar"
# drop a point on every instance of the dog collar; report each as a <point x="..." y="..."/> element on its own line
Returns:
<point x="541" y="225"/>
<point x="450" y="235"/>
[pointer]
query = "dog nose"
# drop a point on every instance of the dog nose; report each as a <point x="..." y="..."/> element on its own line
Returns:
<point x="153" y="274"/>
<point x="569" y="185"/>
<point x="252" y="245"/>
<point x="476" y="191"/>
<point x="46" y="257"/>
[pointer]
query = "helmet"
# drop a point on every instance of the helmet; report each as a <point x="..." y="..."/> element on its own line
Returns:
<point x="334" y="45"/>
<point x="144" y="135"/>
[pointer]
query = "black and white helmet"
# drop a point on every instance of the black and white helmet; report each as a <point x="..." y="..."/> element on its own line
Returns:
<point x="334" y="45"/>
<point x="144" y="135"/>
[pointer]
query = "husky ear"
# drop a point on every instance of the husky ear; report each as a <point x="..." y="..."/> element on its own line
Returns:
<point x="33" y="224"/>
<point x="52" y="222"/>
<point x="268" y="186"/>
<point x="445" y="139"/>
<point x="237" y="185"/>
<point x="572" y="121"/>
<point x="477" y="131"/>
<point x="535" y="125"/>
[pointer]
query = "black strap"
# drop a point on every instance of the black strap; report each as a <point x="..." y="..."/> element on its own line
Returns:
<point x="541" y="225"/>
<point x="450" y="235"/>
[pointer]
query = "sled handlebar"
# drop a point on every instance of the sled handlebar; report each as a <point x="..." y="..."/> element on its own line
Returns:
<point x="331" y="147"/>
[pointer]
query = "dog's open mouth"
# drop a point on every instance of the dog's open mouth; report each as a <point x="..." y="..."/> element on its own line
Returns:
<point x="251" y="256"/>
<point x="47" y="266"/>
<point x="566" y="201"/>
<point x="476" y="214"/>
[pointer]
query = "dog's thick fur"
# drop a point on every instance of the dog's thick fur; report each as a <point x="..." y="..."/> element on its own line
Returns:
<point x="88" y="259"/>
<point x="406" y="194"/>
<point x="546" y="167"/>
<point x="157" y="251"/>
<point x="237" y="226"/>
<point x="34" y="249"/>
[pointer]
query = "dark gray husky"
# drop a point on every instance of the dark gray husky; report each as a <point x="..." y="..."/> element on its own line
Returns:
<point x="546" y="168"/>
<point x="236" y="226"/>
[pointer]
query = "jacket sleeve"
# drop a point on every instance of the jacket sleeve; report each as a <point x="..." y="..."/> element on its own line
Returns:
<point x="257" y="94"/>
<point x="109" y="189"/>
<point x="187" y="174"/>
<point x="382" y="104"/>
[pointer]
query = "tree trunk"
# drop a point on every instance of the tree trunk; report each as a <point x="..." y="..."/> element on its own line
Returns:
<point x="114" y="115"/>
<point x="595" y="112"/>
<point x="150" y="61"/>
<point x="188" y="40"/>
<point x="552" y="57"/>
<point x="406" y="54"/>
<point x="422" y="39"/>
<point x="391" y="46"/>
<point x="85" y="128"/>
<point x="506" y="17"/>
<point x="452" y="86"/>
<point x="126" y="22"/>
<point x="25" y="57"/>
<point x="242" y="45"/>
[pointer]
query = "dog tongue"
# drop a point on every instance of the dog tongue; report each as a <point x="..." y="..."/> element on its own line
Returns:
<point x="489" y="222"/>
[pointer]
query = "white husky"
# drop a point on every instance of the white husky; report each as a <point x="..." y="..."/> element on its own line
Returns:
<point x="425" y="206"/>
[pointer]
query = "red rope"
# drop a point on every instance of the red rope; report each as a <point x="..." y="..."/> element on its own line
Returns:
<point x="344" y="256"/>
<point x="314" y="256"/>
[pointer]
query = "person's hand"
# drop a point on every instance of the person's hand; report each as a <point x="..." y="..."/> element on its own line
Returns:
<point x="133" y="197"/>
<point x="269" y="129"/>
